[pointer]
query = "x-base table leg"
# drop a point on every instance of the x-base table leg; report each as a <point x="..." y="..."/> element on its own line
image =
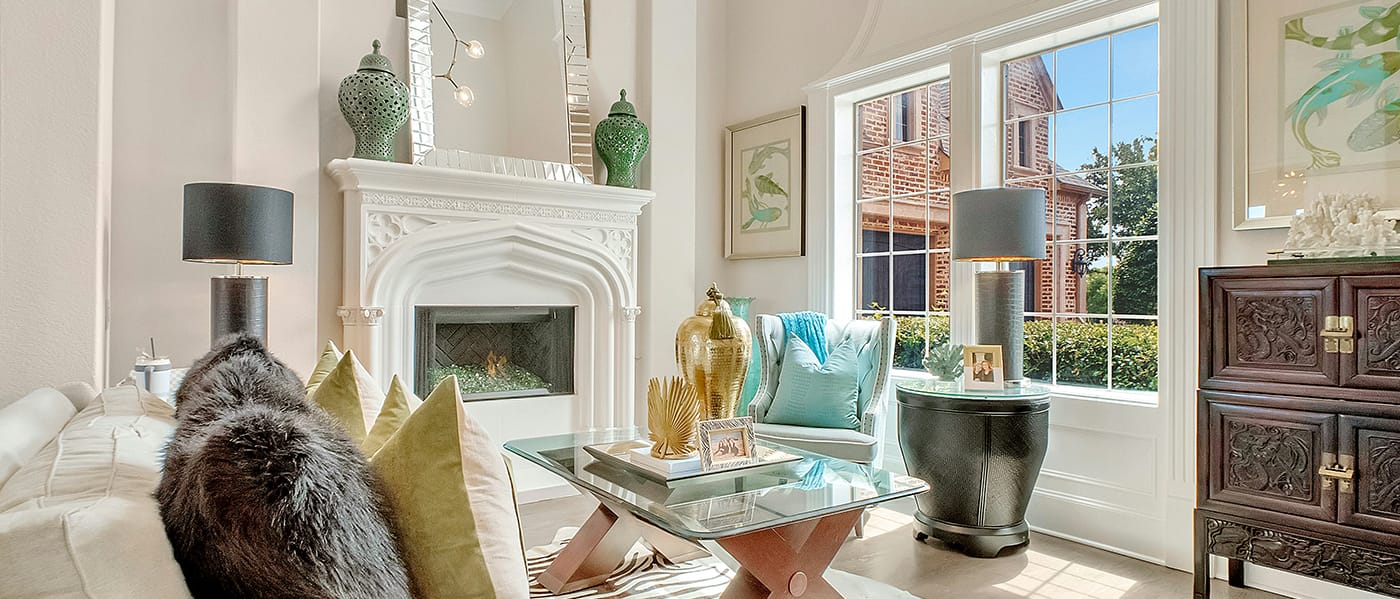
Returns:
<point x="788" y="561"/>
<point x="601" y="545"/>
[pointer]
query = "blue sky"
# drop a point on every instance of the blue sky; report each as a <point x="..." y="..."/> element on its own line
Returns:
<point x="1085" y="77"/>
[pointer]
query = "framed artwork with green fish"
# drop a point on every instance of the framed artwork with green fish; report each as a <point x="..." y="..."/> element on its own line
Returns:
<point x="765" y="196"/>
<point x="1315" y="107"/>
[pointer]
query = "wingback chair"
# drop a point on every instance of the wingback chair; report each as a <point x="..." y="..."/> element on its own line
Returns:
<point x="875" y="339"/>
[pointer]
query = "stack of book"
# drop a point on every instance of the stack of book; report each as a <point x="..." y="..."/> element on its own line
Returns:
<point x="641" y="457"/>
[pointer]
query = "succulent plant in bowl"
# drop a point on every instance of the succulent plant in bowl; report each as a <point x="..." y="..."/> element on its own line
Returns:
<point x="944" y="362"/>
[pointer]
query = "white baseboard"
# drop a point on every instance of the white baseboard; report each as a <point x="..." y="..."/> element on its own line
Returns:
<point x="545" y="493"/>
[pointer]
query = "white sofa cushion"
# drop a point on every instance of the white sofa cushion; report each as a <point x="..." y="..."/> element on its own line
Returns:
<point x="29" y="424"/>
<point x="112" y="447"/>
<point x="79" y="520"/>
<point x="108" y="547"/>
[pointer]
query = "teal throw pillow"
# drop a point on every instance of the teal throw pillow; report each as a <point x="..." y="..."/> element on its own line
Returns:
<point x="814" y="394"/>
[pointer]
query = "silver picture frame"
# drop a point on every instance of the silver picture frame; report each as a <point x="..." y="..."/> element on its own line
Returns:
<point x="715" y="448"/>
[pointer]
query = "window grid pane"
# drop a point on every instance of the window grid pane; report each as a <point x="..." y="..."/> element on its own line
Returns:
<point x="903" y="179"/>
<point x="1068" y="130"/>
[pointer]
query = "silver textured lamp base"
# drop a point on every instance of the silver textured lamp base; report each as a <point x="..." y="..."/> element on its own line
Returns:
<point x="1001" y="297"/>
<point x="238" y="304"/>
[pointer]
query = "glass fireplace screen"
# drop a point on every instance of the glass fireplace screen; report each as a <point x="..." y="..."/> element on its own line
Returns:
<point x="496" y="352"/>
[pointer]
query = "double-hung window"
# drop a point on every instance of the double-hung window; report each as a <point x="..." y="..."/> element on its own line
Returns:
<point x="1078" y="120"/>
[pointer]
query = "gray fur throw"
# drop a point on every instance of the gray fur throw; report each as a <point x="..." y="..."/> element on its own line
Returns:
<point x="264" y="495"/>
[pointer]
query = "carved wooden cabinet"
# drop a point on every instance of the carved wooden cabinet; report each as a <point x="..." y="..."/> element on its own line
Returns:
<point x="1299" y="423"/>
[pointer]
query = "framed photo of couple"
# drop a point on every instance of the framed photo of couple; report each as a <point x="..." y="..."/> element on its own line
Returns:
<point x="982" y="367"/>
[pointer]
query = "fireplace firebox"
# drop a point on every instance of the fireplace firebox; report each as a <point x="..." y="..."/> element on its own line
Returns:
<point x="496" y="352"/>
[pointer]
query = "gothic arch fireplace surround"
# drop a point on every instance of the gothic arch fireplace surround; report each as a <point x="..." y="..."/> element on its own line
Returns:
<point x="418" y="236"/>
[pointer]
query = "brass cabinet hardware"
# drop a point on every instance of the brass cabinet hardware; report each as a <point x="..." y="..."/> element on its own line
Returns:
<point x="1337" y="469"/>
<point x="1337" y="335"/>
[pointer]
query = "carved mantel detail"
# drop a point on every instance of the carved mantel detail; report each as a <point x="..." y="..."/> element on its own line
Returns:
<point x="631" y="313"/>
<point x="360" y="316"/>
<point x="382" y="229"/>
<point x="618" y="241"/>
<point x="480" y="206"/>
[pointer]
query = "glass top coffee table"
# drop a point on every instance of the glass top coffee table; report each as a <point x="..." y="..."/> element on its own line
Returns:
<point x="782" y="522"/>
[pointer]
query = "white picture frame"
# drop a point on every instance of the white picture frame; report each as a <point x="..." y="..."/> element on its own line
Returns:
<point x="1269" y="149"/>
<point x="983" y="368"/>
<point x="765" y="198"/>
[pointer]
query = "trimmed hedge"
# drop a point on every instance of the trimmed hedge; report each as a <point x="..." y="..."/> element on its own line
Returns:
<point x="1083" y="349"/>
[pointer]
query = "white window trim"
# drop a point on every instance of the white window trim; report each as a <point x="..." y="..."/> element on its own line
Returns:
<point x="1189" y="172"/>
<point x="972" y="64"/>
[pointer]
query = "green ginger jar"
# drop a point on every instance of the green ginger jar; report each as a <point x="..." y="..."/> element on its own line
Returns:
<point x="375" y="104"/>
<point x="622" y="140"/>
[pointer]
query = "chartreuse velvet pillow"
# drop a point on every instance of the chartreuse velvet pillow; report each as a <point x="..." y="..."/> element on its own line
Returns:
<point x="452" y="503"/>
<point x="399" y="403"/>
<point x="351" y="395"/>
<point x="817" y="395"/>
<point x="329" y="358"/>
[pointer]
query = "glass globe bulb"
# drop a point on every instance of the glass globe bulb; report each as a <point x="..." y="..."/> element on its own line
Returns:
<point x="474" y="49"/>
<point x="464" y="96"/>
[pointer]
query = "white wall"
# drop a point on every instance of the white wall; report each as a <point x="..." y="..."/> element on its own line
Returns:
<point x="769" y="56"/>
<point x="229" y="95"/>
<point x="55" y="186"/>
<point x="174" y="124"/>
<point x="668" y="102"/>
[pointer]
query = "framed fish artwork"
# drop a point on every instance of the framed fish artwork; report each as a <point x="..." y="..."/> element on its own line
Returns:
<point x="765" y="195"/>
<point x="1315" y="104"/>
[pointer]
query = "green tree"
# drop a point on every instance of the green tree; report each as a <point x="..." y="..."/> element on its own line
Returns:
<point x="1134" y="213"/>
<point x="1096" y="291"/>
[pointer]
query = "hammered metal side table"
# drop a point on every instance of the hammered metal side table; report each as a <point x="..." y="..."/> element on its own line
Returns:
<point x="980" y="452"/>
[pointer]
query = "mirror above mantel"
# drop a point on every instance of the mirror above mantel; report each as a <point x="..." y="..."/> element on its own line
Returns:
<point x="501" y="86"/>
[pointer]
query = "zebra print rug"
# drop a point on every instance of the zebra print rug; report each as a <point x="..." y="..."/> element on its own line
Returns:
<point x="644" y="575"/>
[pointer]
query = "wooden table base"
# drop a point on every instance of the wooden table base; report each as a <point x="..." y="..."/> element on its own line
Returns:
<point x="775" y="563"/>
<point x="788" y="561"/>
<point x="601" y="545"/>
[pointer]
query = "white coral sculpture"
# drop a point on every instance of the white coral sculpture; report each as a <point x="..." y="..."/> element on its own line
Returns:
<point x="1341" y="221"/>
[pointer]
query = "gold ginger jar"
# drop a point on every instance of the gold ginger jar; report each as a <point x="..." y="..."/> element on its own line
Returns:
<point x="712" y="350"/>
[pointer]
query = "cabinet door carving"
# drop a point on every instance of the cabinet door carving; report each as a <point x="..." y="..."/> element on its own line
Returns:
<point x="1374" y="446"/>
<point x="1268" y="459"/>
<point x="1375" y="303"/>
<point x="1319" y="558"/>
<point x="1269" y="330"/>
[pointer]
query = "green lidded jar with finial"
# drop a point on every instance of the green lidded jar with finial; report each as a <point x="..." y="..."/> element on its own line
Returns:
<point x="375" y="104"/>
<point x="622" y="140"/>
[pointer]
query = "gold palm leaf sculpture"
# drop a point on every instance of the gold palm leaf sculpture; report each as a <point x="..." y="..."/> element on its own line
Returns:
<point x="673" y="411"/>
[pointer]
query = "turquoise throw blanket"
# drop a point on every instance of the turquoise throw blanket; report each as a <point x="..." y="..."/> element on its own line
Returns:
<point x="810" y="327"/>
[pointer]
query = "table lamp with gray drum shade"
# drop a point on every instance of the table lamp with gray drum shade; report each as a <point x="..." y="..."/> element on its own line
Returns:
<point x="1000" y="225"/>
<point x="237" y="224"/>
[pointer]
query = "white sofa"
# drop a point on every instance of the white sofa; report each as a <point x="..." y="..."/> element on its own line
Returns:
<point x="77" y="518"/>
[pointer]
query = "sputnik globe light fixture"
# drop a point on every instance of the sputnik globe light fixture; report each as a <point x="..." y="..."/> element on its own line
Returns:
<point x="473" y="49"/>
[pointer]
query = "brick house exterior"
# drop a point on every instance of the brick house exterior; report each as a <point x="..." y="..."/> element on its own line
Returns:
<point x="895" y="177"/>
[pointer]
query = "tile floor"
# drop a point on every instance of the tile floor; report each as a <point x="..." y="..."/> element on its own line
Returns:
<point x="1050" y="568"/>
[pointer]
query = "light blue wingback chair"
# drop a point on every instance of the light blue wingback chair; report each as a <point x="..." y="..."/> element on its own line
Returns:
<point x="875" y="339"/>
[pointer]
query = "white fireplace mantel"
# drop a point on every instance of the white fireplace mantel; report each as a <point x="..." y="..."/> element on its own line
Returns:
<point x="420" y="235"/>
